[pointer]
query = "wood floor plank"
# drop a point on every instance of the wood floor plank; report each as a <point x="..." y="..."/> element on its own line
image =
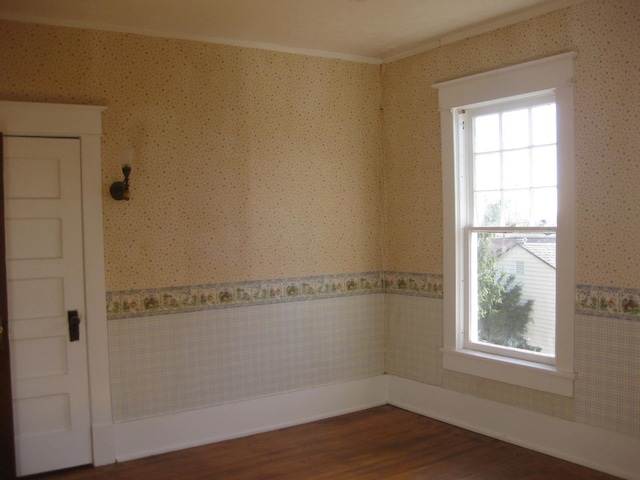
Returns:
<point x="379" y="443"/>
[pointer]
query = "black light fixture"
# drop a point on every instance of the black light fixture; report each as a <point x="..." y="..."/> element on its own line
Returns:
<point x="120" y="190"/>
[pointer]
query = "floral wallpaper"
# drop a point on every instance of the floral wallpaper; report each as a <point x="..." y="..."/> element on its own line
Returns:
<point x="136" y="303"/>
<point x="248" y="164"/>
<point x="608" y="302"/>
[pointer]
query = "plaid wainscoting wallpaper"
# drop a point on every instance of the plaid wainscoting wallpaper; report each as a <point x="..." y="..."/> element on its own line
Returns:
<point x="181" y="348"/>
<point x="164" y="364"/>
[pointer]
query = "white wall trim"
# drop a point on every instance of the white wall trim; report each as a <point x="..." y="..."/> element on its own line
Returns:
<point x="193" y="37"/>
<point x="83" y="122"/>
<point x="50" y="119"/>
<point x="151" y="436"/>
<point x="547" y="73"/>
<point x="592" y="447"/>
<point x="514" y="371"/>
<point x="382" y="57"/>
<point x="543" y="76"/>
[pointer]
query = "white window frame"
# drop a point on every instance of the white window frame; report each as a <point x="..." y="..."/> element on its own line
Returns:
<point x="552" y="74"/>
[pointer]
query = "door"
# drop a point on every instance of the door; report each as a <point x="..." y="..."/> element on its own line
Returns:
<point x="45" y="286"/>
<point x="7" y="456"/>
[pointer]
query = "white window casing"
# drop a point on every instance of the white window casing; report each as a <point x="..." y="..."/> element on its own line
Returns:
<point x="551" y="75"/>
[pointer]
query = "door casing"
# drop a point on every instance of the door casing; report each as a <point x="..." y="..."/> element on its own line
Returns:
<point x="7" y="444"/>
<point x="83" y="122"/>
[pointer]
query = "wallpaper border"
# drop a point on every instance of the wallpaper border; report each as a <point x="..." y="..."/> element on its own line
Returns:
<point x="137" y="303"/>
<point x="612" y="302"/>
<point x="622" y="303"/>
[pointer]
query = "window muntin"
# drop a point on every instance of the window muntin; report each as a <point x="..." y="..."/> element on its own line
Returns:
<point x="510" y="160"/>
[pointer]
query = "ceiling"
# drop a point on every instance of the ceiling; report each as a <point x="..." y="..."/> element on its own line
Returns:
<point x="374" y="31"/>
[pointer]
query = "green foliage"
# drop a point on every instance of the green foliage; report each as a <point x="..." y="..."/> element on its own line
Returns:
<point x="502" y="317"/>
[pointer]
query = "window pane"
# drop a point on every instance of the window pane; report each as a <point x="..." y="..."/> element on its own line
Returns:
<point x="516" y="208"/>
<point x="487" y="171"/>
<point x="515" y="169"/>
<point x="543" y="124"/>
<point x="486" y="136"/>
<point x="544" y="166"/>
<point x="545" y="207"/>
<point x="514" y="295"/>
<point x="487" y="209"/>
<point x="515" y="129"/>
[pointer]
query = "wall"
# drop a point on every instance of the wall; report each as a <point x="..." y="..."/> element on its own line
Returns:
<point x="606" y="35"/>
<point x="256" y="184"/>
<point x="250" y="164"/>
<point x="179" y="362"/>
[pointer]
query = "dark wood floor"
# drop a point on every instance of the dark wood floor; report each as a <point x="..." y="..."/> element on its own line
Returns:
<point x="380" y="443"/>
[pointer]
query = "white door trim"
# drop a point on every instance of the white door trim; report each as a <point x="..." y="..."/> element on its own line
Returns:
<point x="83" y="122"/>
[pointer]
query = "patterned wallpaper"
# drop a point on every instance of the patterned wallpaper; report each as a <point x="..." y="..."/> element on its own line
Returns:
<point x="192" y="298"/>
<point x="249" y="164"/>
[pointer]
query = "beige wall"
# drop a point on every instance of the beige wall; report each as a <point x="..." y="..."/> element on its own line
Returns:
<point x="250" y="164"/>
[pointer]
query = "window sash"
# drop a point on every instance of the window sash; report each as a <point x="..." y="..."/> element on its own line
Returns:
<point x="470" y="317"/>
<point x="467" y="159"/>
<point x="466" y="116"/>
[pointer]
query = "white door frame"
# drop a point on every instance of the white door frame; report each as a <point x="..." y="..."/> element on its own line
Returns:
<point x="83" y="122"/>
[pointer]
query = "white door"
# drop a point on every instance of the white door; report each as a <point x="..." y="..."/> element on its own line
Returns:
<point x="44" y="250"/>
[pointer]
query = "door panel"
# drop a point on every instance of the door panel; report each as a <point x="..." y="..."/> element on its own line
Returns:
<point x="41" y="357"/>
<point x="46" y="238"/>
<point x="46" y="414"/>
<point x="43" y="222"/>
<point x="24" y="184"/>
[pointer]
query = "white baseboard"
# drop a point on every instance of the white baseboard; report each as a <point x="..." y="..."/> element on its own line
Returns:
<point x="167" y="433"/>
<point x="103" y="444"/>
<point x="589" y="446"/>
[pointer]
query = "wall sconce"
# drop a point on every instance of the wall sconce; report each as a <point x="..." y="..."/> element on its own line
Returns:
<point x="120" y="190"/>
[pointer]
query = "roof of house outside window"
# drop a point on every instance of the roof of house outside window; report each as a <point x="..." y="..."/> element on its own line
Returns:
<point x="544" y="251"/>
<point x="541" y="247"/>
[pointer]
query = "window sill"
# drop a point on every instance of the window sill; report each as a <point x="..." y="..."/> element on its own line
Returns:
<point x="532" y="375"/>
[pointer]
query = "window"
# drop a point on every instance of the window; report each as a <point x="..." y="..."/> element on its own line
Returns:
<point x="509" y="161"/>
<point x="507" y="142"/>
